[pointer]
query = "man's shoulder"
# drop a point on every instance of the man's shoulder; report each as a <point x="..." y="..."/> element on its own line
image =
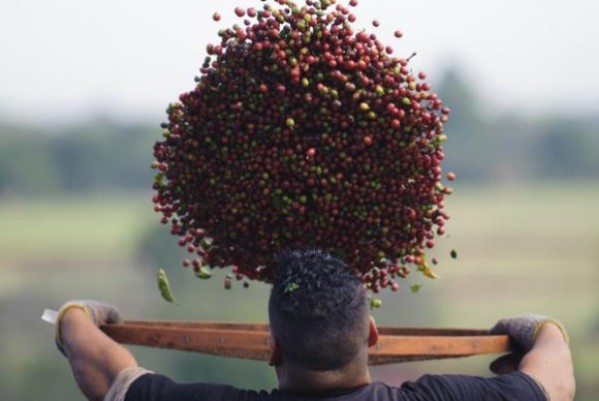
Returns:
<point x="513" y="386"/>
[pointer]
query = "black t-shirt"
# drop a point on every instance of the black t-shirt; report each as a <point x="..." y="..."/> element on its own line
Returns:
<point x="511" y="387"/>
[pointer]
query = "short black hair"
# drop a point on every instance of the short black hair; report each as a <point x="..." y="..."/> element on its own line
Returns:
<point x="318" y="310"/>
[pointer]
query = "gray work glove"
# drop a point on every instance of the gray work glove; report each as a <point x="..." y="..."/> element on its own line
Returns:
<point x="523" y="331"/>
<point x="98" y="312"/>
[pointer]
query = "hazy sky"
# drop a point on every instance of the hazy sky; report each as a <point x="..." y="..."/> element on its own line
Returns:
<point x="66" y="59"/>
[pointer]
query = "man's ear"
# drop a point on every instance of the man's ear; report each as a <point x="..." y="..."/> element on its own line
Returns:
<point x="275" y="352"/>
<point x="373" y="333"/>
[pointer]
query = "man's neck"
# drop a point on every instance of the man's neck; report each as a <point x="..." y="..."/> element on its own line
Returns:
<point x="301" y="380"/>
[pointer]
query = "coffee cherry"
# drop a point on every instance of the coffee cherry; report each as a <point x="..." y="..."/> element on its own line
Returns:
<point x="228" y="282"/>
<point x="302" y="132"/>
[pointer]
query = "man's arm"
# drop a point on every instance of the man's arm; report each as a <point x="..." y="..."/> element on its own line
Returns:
<point x="550" y="362"/>
<point x="540" y="368"/>
<point x="95" y="359"/>
<point x="543" y="353"/>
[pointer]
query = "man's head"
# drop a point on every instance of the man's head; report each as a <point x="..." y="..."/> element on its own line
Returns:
<point x="318" y="312"/>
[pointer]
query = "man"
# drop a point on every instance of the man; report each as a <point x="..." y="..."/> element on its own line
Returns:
<point x="322" y="330"/>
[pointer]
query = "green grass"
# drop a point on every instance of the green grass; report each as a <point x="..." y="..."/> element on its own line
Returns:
<point x="551" y="210"/>
<point x="65" y="226"/>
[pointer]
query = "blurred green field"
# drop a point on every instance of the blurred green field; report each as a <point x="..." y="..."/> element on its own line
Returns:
<point x="520" y="250"/>
<point x="54" y="226"/>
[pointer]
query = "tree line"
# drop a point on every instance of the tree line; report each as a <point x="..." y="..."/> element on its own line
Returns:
<point x="104" y="155"/>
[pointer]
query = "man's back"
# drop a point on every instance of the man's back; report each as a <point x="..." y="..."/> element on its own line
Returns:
<point x="514" y="386"/>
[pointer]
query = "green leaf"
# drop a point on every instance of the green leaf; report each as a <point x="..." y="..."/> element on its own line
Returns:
<point x="291" y="287"/>
<point x="203" y="273"/>
<point x="164" y="287"/>
<point x="415" y="288"/>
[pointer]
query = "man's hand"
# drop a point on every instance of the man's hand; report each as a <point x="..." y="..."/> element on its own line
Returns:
<point x="523" y="330"/>
<point x="541" y="351"/>
<point x="99" y="313"/>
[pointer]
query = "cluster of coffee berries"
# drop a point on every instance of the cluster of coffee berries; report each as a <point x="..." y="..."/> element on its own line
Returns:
<point x="303" y="133"/>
